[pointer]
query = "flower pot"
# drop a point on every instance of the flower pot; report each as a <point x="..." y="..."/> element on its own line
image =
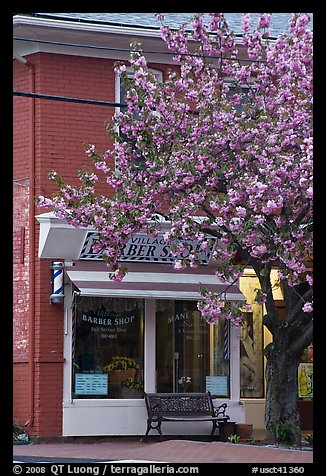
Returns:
<point x="118" y="376"/>
<point x="244" y="430"/>
<point x="226" y="430"/>
<point x="127" y="392"/>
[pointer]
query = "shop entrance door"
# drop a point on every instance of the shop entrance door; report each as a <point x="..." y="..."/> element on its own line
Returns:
<point x="182" y="342"/>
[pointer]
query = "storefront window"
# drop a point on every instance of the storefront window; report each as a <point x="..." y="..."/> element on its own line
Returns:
<point x="251" y="357"/>
<point x="306" y="374"/>
<point x="191" y="355"/>
<point x="251" y="342"/>
<point x="108" y="348"/>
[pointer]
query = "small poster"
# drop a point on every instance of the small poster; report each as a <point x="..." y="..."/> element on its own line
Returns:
<point x="217" y="385"/>
<point x="91" y="384"/>
<point x="305" y="380"/>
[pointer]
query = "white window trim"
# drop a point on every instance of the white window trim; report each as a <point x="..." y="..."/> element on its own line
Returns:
<point x="130" y="73"/>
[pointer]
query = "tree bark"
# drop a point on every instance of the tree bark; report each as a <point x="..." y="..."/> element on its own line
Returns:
<point x="281" y="389"/>
<point x="290" y="337"/>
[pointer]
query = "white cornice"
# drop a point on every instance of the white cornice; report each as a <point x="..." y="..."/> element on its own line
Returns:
<point x="87" y="34"/>
<point x="22" y="20"/>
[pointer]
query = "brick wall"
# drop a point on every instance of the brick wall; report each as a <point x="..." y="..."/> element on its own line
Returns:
<point x="61" y="129"/>
<point x="21" y="190"/>
<point x="20" y="269"/>
<point x="64" y="127"/>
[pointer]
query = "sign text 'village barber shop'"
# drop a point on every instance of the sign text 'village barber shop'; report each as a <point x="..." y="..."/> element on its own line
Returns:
<point x="107" y="324"/>
<point x="145" y="248"/>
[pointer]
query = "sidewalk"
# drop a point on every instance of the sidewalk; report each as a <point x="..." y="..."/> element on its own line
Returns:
<point x="169" y="451"/>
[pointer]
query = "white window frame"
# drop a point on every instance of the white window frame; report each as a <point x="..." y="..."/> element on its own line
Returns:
<point x="130" y="73"/>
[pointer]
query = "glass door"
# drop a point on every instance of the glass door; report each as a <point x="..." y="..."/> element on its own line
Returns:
<point x="190" y="354"/>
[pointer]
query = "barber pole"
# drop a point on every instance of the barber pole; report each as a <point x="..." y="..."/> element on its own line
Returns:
<point x="73" y="338"/>
<point x="226" y="340"/>
<point x="57" y="282"/>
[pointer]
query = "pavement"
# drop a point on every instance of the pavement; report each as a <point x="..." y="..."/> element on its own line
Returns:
<point x="170" y="450"/>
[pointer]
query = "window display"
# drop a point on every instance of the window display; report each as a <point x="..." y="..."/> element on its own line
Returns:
<point x="251" y="341"/>
<point x="306" y="374"/>
<point x="251" y="356"/>
<point x="191" y="355"/>
<point x="107" y="348"/>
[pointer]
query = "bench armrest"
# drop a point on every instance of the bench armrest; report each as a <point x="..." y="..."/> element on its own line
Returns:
<point x="219" y="411"/>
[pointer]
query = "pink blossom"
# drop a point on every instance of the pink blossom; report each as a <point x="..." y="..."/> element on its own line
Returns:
<point x="307" y="307"/>
<point x="90" y="150"/>
<point x="246" y="22"/>
<point x="264" y="20"/>
<point x="120" y="69"/>
<point x="160" y="16"/>
<point x="240" y="158"/>
<point x="309" y="279"/>
<point x="178" y="265"/>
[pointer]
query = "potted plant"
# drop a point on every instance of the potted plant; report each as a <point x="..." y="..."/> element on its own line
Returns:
<point x="20" y="437"/>
<point x="132" y="388"/>
<point x="185" y="382"/>
<point x="121" y="368"/>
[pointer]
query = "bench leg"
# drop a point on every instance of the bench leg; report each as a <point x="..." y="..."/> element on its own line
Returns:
<point x="223" y="435"/>
<point x="214" y="427"/>
<point x="153" y="425"/>
<point x="148" y="429"/>
<point x="159" y="429"/>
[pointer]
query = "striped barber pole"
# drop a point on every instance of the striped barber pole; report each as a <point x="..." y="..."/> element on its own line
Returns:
<point x="226" y="340"/>
<point x="73" y="336"/>
<point x="58" y="278"/>
<point x="57" y="282"/>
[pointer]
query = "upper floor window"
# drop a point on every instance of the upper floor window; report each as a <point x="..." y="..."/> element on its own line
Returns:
<point x="121" y="92"/>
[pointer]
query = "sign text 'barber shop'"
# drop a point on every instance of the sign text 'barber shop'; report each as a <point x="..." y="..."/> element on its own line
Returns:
<point x="150" y="249"/>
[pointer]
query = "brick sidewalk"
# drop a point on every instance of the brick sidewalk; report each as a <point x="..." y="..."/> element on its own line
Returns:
<point x="170" y="451"/>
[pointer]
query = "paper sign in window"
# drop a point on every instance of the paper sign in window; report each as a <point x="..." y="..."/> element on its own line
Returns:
<point x="217" y="385"/>
<point x="91" y="384"/>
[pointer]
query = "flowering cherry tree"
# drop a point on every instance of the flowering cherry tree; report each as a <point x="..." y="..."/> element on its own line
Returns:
<point x="221" y="148"/>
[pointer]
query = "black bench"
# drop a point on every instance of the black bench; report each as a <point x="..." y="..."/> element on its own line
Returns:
<point x="176" y="407"/>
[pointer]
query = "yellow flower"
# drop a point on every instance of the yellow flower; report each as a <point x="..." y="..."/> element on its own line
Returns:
<point x="120" y="363"/>
<point x="131" y="383"/>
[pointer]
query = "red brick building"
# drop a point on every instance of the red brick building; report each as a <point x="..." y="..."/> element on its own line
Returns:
<point x="48" y="135"/>
<point x="59" y="61"/>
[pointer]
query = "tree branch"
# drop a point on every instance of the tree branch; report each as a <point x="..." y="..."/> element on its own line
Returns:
<point x="270" y="323"/>
<point x="303" y="341"/>
<point x="298" y="307"/>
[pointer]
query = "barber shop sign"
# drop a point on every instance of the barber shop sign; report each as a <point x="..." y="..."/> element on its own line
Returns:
<point x="145" y="248"/>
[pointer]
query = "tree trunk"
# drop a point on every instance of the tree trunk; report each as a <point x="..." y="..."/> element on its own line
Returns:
<point x="281" y="411"/>
<point x="290" y="337"/>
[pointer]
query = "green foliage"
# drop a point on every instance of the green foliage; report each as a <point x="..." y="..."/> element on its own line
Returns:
<point x="19" y="434"/>
<point x="233" y="439"/>
<point x="309" y="439"/>
<point x="285" y="432"/>
<point x="16" y="427"/>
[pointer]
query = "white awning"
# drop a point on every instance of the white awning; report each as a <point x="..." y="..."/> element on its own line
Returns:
<point x="156" y="281"/>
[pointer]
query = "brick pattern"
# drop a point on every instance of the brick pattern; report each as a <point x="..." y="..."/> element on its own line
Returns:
<point x="61" y="130"/>
<point x="170" y="451"/>
<point x="20" y="269"/>
<point x="21" y="191"/>
<point x="20" y="299"/>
